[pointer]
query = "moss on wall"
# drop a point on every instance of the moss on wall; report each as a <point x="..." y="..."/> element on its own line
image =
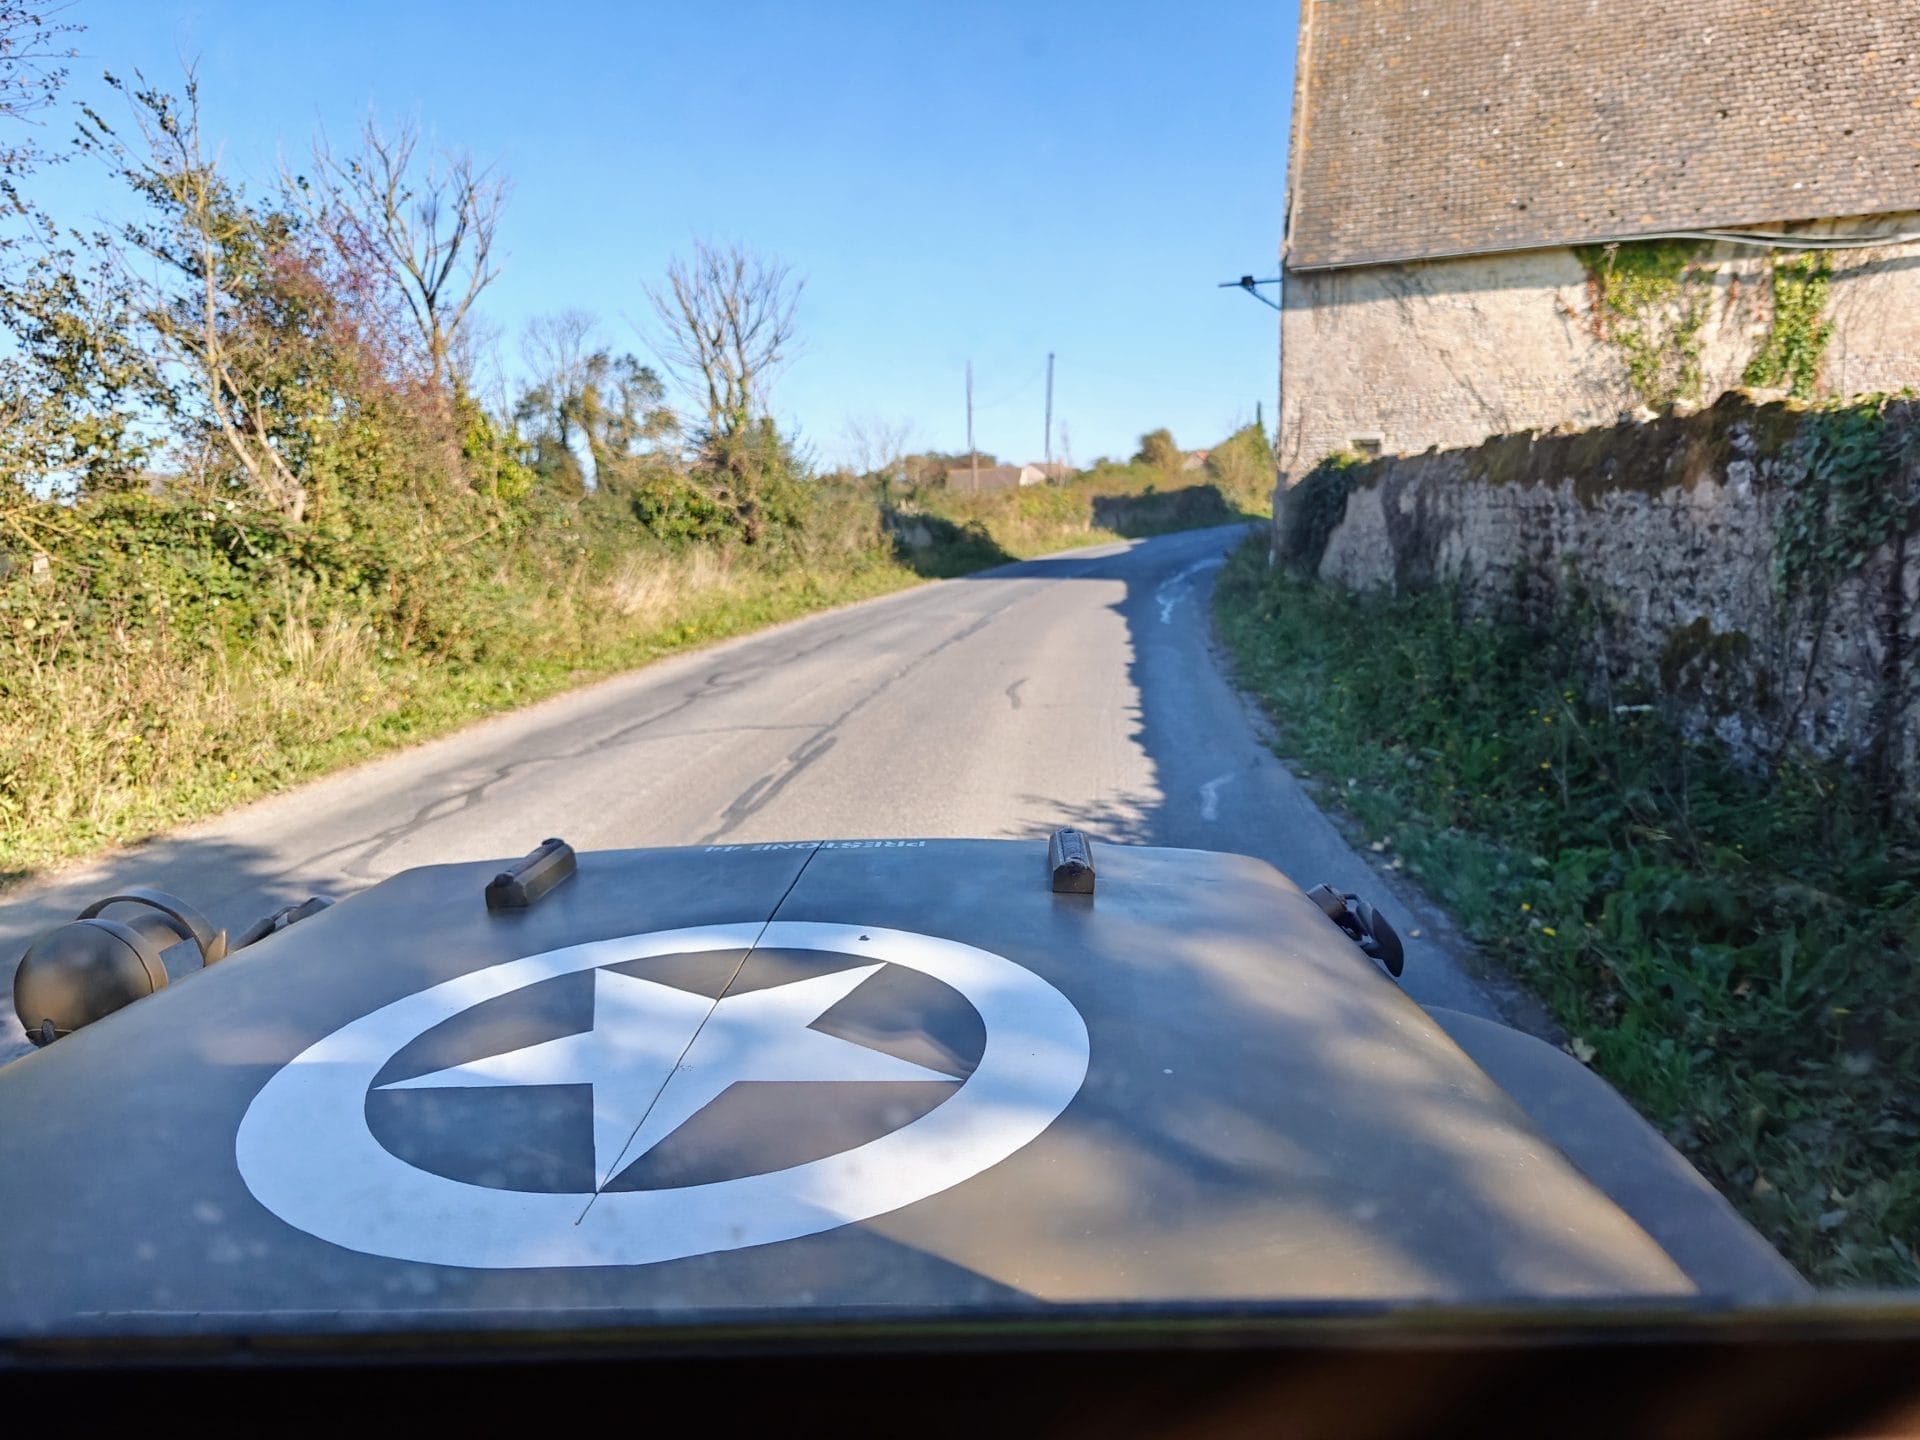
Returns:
<point x="1852" y="490"/>
<point x="1699" y="660"/>
<point x="1643" y="456"/>
<point x="1503" y="460"/>
<point x="1847" y="485"/>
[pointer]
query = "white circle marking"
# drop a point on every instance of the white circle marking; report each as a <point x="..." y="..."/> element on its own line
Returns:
<point x="307" y="1154"/>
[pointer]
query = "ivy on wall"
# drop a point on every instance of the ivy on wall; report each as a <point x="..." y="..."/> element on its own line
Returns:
<point x="1797" y="336"/>
<point x="1313" y="510"/>
<point x="1650" y="300"/>
<point x="1849" y="494"/>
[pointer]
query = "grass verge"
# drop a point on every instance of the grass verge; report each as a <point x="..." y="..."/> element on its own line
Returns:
<point x="138" y="727"/>
<point x="1734" y="952"/>
<point x="94" y="764"/>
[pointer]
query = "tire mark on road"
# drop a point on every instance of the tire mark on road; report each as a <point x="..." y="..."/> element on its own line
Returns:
<point x="760" y="655"/>
<point x="756" y="796"/>
<point x="366" y="850"/>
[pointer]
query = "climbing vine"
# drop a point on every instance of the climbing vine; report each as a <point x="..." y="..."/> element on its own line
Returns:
<point x="1650" y="300"/>
<point x="1850" y="493"/>
<point x="1797" y="338"/>
<point x="1313" y="508"/>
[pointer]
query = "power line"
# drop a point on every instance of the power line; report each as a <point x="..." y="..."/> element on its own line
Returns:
<point x="1017" y="392"/>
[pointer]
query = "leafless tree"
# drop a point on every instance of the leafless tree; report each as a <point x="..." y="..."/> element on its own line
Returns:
<point x="32" y="49"/>
<point x="430" y="220"/>
<point x="555" y="347"/>
<point x="726" y="326"/>
<point x="876" y="446"/>
<point x="203" y="331"/>
<point x="475" y="359"/>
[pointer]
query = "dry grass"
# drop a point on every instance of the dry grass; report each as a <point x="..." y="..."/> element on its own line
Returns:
<point x="140" y="731"/>
<point x="654" y="589"/>
<point x="143" y="732"/>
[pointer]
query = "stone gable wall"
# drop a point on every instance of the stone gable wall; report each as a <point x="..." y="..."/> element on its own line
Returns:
<point x="1445" y="353"/>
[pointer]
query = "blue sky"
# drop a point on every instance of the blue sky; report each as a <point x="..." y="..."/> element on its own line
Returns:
<point x="955" y="180"/>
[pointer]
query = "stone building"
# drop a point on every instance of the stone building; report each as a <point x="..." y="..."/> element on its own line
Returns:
<point x="1527" y="214"/>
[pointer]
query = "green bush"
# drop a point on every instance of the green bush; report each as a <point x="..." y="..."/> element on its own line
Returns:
<point x="1735" y="951"/>
<point x="1159" y="452"/>
<point x="1107" y="502"/>
<point x="669" y="506"/>
<point x="1243" y="467"/>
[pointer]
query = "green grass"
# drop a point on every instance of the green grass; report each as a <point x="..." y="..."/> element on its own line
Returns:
<point x="1736" y="953"/>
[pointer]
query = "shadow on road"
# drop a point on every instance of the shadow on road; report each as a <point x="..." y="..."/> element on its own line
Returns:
<point x="1180" y="713"/>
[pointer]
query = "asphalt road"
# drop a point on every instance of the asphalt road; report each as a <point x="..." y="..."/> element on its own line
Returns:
<point x="1081" y="689"/>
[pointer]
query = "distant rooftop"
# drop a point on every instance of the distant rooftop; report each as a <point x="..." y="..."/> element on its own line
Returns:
<point x="993" y="477"/>
<point x="1425" y="128"/>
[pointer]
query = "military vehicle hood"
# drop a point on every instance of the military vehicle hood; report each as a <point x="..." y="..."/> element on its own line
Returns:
<point x="765" y="1079"/>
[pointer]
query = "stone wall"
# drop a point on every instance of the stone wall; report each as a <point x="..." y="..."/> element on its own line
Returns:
<point x="1660" y="538"/>
<point x="1447" y="352"/>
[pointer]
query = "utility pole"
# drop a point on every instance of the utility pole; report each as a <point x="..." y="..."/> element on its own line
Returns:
<point x="973" y="456"/>
<point x="1049" y="442"/>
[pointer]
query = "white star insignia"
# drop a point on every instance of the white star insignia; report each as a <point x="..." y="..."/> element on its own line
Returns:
<point x="657" y="1056"/>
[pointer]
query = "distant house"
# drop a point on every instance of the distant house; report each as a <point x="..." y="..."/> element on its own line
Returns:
<point x="1459" y="170"/>
<point x="994" y="477"/>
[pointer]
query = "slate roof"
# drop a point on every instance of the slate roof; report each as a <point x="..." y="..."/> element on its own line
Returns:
<point x="1425" y="128"/>
<point x="992" y="477"/>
